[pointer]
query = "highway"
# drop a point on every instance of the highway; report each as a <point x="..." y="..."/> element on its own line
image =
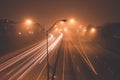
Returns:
<point x="84" y="60"/>
<point x="16" y="67"/>
<point x="69" y="59"/>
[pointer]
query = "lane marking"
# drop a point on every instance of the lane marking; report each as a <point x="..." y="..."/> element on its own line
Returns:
<point x="85" y="57"/>
<point x="89" y="62"/>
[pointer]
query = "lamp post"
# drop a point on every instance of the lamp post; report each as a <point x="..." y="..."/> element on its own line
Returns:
<point x="47" y="34"/>
<point x="29" y="22"/>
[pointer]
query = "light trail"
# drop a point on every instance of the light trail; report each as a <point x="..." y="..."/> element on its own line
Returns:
<point x="86" y="59"/>
<point x="84" y="55"/>
<point x="41" y="58"/>
<point x="29" y="58"/>
<point x="22" y="55"/>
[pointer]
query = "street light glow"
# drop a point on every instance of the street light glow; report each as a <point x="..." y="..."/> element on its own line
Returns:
<point x="93" y="30"/>
<point x="56" y="29"/>
<point x="80" y="26"/>
<point x="28" y="22"/>
<point x="30" y="32"/>
<point x="47" y="34"/>
<point x="62" y="22"/>
<point x="19" y="33"/>
<point x="60" y="30"/>
<point x="84" y="30"/>
<point x="72" y="21"/>
<point x="65" y="29"/>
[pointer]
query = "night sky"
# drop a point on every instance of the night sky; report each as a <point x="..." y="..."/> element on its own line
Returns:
<point x="48" y="11"/>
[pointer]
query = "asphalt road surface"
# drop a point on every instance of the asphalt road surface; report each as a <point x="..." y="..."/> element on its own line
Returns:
<point x="69" y="59"/>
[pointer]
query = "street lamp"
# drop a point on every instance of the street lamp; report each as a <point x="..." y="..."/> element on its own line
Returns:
<point x="47" y="31"/>
<point x="47" y="34"/>
<point x="64" y="20"/>
<point x="29" y="22"/>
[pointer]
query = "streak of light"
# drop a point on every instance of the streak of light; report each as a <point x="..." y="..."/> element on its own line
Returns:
<point x="33" y="62"/>
<point x="22" y="55"/>
<point x="85" y="57"/>
<point x="32" y="59"/>
<point x="41" y="58"/>
<point x="41" y="72"/>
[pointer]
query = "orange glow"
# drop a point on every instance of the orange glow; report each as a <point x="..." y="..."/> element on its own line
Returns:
<point x="93" y="30"/>
<point x="60" y="30"/>
<point x="56" y="29"/>
<point x="84" y="30"/>
<point x="30" y="32"/>
<point x="19" y="33"/>
<point x="65" y="29"/>
<point x="28" y="22"/>
<point x="80" y="26"/>
<point x="55" y="25"/>
<point x="27" y="28"/>
<point x="61" y="22"/>
<point x="72" y="21"/>
<point x="77" y="30"/>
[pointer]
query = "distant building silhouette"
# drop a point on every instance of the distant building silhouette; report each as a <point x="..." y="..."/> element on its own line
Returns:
<point x="9" y="28"/>
<point x="5" y="26"/>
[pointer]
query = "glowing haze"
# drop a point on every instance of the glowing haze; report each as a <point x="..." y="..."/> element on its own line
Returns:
<point x="48" y="11"/>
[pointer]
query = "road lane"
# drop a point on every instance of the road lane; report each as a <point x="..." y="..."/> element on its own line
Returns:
<point x="69" y="59"/>
<point x="20" y="65"/>
<point x="106" y="61"/>
<point x="84" y="60"/>
<point x="71" y="65"/>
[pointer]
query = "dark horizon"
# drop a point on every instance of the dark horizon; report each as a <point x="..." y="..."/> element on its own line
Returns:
<point x="47" y="11"/>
